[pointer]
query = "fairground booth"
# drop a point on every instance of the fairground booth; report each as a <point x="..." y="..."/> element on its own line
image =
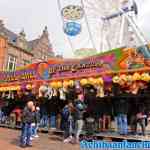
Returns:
<point x="121" y="72"/>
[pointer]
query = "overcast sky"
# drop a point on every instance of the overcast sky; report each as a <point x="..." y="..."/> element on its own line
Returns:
<point x="33" y="15"/>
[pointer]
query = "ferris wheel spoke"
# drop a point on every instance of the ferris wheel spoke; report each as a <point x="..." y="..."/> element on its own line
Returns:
<point x="93" y="15"/>
<point x="87" y="8"/>
<point x="91" y="5"/>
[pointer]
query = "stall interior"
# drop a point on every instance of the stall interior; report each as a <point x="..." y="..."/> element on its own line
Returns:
<point x="123" y="99"/>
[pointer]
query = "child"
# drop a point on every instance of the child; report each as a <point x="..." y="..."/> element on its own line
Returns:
<point x="27" y="120"/>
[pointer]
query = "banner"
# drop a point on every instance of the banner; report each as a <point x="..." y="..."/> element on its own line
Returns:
<point x="58" y="69"/>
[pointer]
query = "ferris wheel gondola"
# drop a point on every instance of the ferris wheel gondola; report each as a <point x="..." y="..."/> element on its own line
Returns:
<point x="72" y="17"/>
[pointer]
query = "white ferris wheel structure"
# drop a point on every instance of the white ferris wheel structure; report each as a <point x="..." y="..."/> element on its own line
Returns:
<point x="109" y="24"/>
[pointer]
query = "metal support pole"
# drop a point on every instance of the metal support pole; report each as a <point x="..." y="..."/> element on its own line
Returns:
<point x="121" y="31"/>
<point x="136" y="29"/>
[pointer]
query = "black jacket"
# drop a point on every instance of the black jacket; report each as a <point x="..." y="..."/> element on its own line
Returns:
<point x="107" y="105"/>
<point x="28" y="116"/>
<point x="120" y="105"/>
<point x="99" y="107"/>
<point x="53" y="105"/>
<point x="37" y="116"/>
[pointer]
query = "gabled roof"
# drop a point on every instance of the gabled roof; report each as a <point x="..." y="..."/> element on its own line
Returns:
<point x="9" y="34"/>
<point x="33" y="43"/>
<point x="12" y="38"/>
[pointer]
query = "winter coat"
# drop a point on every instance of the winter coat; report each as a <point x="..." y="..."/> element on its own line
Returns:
<point x="79" y="109"/>
<point x="120" y="105"/>
<point x="28" y="116"/>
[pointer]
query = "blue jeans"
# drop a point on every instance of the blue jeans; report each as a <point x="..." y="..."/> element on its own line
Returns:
<point x="68" y="128"/>
<point x="1" y="116"/>
<point x="53" y="120"/>
<point x="44" y="121"/>
<point x="26" y="134"/>
<point x="35" y="129"/>
<point x="122" y="124"/>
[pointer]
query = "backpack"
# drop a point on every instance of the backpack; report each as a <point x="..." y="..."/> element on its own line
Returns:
<point x="65" y="113"/>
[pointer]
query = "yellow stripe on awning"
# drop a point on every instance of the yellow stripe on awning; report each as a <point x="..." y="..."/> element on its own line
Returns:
<point x="10" y="88"/>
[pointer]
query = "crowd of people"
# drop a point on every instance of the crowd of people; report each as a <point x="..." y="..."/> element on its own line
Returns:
<point x="81" y="109"/>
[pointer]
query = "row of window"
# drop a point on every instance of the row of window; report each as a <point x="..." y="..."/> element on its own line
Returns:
<point x="12" y="62"/>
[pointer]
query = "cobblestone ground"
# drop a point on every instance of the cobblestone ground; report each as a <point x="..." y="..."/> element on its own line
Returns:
<point x="9" y="140"/>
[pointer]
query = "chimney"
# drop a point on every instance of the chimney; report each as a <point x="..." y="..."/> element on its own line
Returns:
<point x="22" y="34"/>
<point x="45" y="31"/>
<point x="1" y="24"/>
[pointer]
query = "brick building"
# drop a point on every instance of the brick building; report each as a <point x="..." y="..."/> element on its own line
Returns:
<point x="16" y="51"/>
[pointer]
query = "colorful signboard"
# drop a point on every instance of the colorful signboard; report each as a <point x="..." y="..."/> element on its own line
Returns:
<point x="59" y="69"/>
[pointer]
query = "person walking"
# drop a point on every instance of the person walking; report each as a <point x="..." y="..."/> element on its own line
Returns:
<point x="27" y="120"/>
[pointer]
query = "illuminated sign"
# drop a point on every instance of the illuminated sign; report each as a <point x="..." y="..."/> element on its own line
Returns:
<point x="17" y="75"/>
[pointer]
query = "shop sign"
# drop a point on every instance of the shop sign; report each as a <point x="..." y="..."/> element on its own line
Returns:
<point x="84" y="67"/>
<point x="17" y="75"/>
<point x="66" y="69"/>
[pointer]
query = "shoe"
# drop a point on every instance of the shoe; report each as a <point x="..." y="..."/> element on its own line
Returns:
<point x="31" y="138"/>
<point x="66" y="140"/>
<point x="53" y="128"/>
<point x="36" y="136"/>
<point x="29" y="145"/>
<point x="74" y="141"/>
<point x="23" y="146"/>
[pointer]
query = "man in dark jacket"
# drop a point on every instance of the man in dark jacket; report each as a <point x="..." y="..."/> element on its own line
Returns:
<point x="37" y="122"/>
<point x="53" y="109"/>
<point x="28" y="118"/>
<point x="79" y="112"/>
<point x="107" y="113"/>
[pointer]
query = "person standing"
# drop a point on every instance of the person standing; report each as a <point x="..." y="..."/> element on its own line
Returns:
<point x="79" y="112"/>
<point x="27" y="120"/>
<point x="53" y="108"/>
<point x="68" y="121"/>
<point x="33" y="123"/>
<point x="37" y="122"/>
<point x="43" y="112"/>
<point x="121" y="110"/>
<point x="140" y="116"/>
<point x="107" y="113"/>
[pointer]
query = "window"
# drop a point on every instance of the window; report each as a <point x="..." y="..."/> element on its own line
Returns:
<point x="46" y="57"/>
<point x="43" y="56"/>
<point x="25" y="62"/>
<point x="11" y="65"/>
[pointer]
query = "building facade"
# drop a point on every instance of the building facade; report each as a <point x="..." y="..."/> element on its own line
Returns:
<point x="16" y="50"/>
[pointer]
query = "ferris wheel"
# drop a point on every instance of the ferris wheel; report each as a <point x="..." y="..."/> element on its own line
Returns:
<point x="101" y="24"/>
<point x="114" y="23"/>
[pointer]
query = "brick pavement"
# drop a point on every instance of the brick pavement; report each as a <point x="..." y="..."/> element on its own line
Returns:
<point x="9" y="140"/>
